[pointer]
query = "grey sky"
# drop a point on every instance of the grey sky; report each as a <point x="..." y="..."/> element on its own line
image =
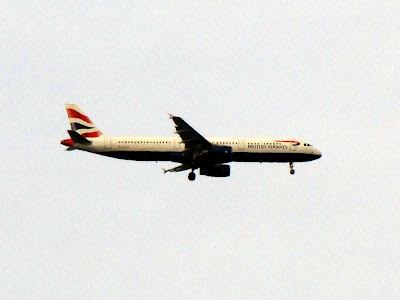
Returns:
<point x="74" y="224"/>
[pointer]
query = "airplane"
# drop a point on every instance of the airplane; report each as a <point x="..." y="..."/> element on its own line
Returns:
<point x="193" y="151"/>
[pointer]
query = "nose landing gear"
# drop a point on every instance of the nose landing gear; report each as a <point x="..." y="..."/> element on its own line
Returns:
<point x="292" y="171"/>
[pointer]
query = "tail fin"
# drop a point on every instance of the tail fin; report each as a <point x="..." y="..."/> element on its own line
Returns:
<point x="81" y="123"/>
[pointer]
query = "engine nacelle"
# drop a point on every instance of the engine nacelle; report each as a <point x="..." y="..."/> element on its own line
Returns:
<point x="219" y="154"/>
<point x="216" y="171"/>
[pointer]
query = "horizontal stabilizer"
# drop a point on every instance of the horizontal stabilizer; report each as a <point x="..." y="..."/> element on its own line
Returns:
<point x="77" y="138"/>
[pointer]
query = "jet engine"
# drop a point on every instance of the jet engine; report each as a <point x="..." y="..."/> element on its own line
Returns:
<point x="218" y="154"/>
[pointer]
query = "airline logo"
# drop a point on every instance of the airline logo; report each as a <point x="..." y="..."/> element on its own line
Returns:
<point x="295" y="143"/>
<point x="81" y="122"/>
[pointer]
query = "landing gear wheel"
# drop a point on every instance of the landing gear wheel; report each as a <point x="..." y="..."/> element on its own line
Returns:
<point x="192" y="176"/>
<point x="291" y="168"/>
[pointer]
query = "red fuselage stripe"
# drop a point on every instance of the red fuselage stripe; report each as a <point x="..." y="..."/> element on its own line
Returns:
<point x="296" y="142"/>
<point x="91" y="134"/>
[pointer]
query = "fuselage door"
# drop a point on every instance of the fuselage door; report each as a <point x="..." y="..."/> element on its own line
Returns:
<point x="107" y="143"/>
<point x="241" y="145"/>
<point x="177" y="143"/>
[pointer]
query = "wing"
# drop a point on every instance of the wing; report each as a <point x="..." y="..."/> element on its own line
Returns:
<point x="190" y="137"/>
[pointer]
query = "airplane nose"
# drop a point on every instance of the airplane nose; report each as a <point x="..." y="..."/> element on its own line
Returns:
<point x="318" y="153"/>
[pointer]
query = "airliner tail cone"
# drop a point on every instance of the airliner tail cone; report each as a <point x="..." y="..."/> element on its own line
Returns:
<point x="68" y="142"/>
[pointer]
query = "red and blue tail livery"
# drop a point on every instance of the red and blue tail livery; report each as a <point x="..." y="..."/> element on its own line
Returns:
<point x="81" y="122"/>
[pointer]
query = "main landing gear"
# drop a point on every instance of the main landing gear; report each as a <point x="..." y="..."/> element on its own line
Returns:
<point x="291" y="168"/>
<point x="192" y="176"/>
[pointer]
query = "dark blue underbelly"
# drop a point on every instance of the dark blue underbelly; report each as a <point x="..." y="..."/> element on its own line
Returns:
<point x="236" y="156"/>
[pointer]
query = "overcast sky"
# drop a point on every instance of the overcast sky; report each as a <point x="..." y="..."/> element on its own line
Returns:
<point x="74" y="224"/>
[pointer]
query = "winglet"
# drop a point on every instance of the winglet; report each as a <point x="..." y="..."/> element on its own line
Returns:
<point x="178" y="168"/>
<point x="171" y="116"/>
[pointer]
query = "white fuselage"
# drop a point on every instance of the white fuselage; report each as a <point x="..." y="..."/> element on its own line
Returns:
<point x="170" y="149"/>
